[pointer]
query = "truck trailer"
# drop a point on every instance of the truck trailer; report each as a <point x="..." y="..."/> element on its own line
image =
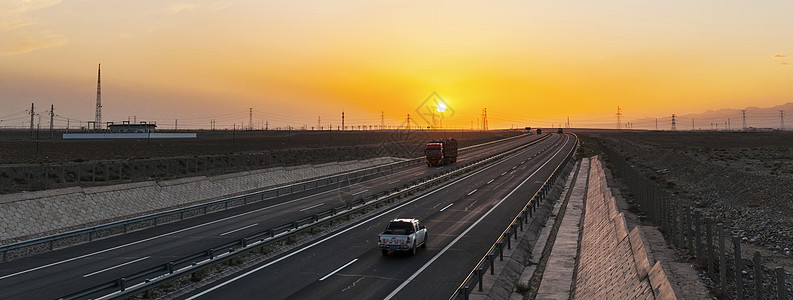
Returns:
<point x="441" y="151"/>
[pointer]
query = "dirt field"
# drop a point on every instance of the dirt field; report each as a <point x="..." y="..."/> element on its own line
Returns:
<point x="742" y="179"/>
<point x="34" y="164"/>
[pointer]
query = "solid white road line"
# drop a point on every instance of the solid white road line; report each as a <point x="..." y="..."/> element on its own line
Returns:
<point x="361" y="192"/>
<point x="348" y="229"/>
<point x="447" y="206"/>
<point x="238" y="229"/>
<point x="505" y="173"/>
<point x="339" y="269"/>
<point x="491" y="181"/>
<point x="474" y="191"/>
<point x="121" y="265"/>
<point x="313" y="206"/>
<point x="392" y="182"/>
<point x="434" y="258"/>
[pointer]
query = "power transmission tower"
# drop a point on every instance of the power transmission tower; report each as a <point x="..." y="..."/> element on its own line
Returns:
<point x="98" y="118"/>
<point x="52" y="116"/>
<point x="319" y="122"/>
<point x="382" y="120"/>
<point x="674" y="123"/>
<point x="250" y="118"/>
<point x="342" y="121"/>
<point x="656" y="124"/>
<point x="743" y="116"/>
<point x="408" y="126"/>
<point x="484" y="119"/>
<point x="619" y="118"/>
<point x="781" y="120"/>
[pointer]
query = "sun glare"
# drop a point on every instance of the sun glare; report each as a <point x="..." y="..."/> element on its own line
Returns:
<point x="440" y="107"/>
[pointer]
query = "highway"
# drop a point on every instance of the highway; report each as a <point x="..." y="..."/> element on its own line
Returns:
<point x="463" y="217"/>
<point x="57" y="273"/>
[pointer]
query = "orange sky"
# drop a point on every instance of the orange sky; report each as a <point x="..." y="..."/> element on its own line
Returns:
<point x="530" y="63"/>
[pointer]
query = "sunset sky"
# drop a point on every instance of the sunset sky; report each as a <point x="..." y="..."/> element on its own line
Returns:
<point x="530" y="63"/>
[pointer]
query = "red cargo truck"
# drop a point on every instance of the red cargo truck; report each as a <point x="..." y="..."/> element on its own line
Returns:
<point x="441" y="151"/>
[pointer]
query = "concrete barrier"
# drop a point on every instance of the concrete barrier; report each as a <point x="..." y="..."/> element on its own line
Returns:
<point x="32" y="214"/>
<point x="613" y="262"/>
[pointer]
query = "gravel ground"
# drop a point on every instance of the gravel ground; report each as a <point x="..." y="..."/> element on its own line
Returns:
<point x="742" y="179"/>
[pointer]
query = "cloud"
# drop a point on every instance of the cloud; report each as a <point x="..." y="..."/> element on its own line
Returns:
<point x="780" y="56"/>
<point x="180" y="7"/>
<point x="784" y="63"/>
<point x="23" y="33"/>
<point x="29" y="42"/>
<point x="184" y="7"/>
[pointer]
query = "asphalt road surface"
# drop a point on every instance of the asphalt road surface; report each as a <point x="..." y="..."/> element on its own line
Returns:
<point x="463" y="218"/>
<point x="65" y="271"/>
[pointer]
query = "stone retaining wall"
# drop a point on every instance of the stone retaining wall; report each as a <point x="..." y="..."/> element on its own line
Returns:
<point x="32" y="214"/>
<point x="613" y="263"/>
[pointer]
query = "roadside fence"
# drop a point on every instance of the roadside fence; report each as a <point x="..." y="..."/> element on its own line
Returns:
<point x="735" y="274"/>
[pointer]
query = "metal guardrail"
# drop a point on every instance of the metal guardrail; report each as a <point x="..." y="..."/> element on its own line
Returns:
<point x="497" y="249"/>
<point x="124" y="226"/>
<point x="51" y="242"/>
<point x="203" y="259"/>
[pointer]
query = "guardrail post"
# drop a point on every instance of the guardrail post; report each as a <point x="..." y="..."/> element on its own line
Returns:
<point x="722" y="259"/>
<point x="492" y="264"/>
<point x="709" y="240"/>
<point x="501" y="251"/>
<point x="758" y="275"/>
<point x="211" y="253"/>
<point x="698" y="232"/>
<point x="52" y="246"/>
<point x="90" y="235"/>
<point x="509" y="239"/>
<point x="121" y="282"/>
<point x="465" y="292"/>
<point x="520" y="221"/>
<point x="781" y="291"/>
<point x="479" y="274"/>
<point x="170" y="267"/>
<point x="736" y="243"/>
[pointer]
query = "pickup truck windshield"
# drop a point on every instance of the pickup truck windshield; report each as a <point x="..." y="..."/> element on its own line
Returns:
<point x="399" y="228"/>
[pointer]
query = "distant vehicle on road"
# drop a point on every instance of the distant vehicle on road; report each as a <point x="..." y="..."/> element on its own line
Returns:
<point x="560" y="131"/>
<point x="403" y="235"/>
<point x="441" y="151"/>
<point x="539" y="131"/>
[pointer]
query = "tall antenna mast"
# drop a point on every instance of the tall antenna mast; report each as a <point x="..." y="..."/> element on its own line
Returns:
<point x="98" y="119"/>
<point x="619" y="118"/>
<point x="674" y="123"/>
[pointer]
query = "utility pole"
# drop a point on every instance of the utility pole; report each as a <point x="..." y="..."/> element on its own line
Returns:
<point x="175" y="124"/>
<point x="619" y="118"/>
<point x="32" y="113"/>
<point x="382" y="120"/>
<point x="656" y="124"/>
<point x="319" y="122"/>
<point x="743" y="116"/>
<point x="729" y="127"/>
<point x="342" y="121"/>
<point x="674" y="124"/>
<point x="408" y="126"/>
<point x="250" y="118"/>
<point x="52" y="116"/>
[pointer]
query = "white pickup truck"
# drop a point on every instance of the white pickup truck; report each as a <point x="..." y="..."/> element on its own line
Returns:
<point x="403" y="235"/>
